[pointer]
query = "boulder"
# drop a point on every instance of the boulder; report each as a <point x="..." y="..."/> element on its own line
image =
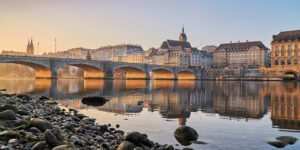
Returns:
<point x="125" y="145"/>
<point x="135" y="137"/>
<point x="185" y="134"/>
<point x="44" y="98"/>
<point x="8" y="115"/>
<point x="277" y="144"/>
<point x="40" y="124"/>
<point x="287" y="139"/>
<point x="94" y="101"/>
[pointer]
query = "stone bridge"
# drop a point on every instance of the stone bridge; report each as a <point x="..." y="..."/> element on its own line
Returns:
<point x="46" y="67"/>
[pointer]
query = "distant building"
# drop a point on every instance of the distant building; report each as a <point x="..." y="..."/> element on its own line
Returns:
<point x="120" y="53"/>
<point x="30" y="48"/>
<point x="242" y="54"/>
<point x="285" y="49"/>
<point x="198" y="58"/>
<point x="4" y="52"/>
<point x="209" y="48"/>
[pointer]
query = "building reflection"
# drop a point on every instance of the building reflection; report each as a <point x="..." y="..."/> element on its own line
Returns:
<point x="285" y="112"/>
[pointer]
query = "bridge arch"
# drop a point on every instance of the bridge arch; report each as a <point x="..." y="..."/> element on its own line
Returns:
<point x="90" y="71"/>
<point x="162" y="74"/>
<point x="186" y="75"/>
<point x="41" y="70"/>
<point x="129" y="72"/>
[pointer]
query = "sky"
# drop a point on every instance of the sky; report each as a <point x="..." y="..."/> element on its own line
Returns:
<point x="96" y="23"/>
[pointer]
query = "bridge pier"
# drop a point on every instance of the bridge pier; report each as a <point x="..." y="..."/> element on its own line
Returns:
<point x="54" y="74"/>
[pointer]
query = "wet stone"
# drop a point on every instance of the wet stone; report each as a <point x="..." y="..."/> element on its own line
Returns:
<point x="8" y="115"/>
<point x="39" y="145"/>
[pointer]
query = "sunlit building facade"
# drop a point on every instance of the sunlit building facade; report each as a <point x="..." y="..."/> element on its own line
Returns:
<point x="241" y="54"/>
<point x="285" y="49"/>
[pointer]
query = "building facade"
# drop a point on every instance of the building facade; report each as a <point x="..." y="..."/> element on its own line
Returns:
<point x="120" y="53"/>
<point x="241" y="54"/>
<point x="285" y="49"/>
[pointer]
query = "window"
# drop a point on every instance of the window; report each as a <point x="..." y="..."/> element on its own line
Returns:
<point x="289" y="53"/>
<point x="296" y="53"/>
<point x="289" y="62"/>
<point x="276" y="54"/>
<point x="276" y="62"/>
<point x="276" y="48"/>
<point x="296" y="46"/>
<point x="282" y="62"/>
<point x="282" y="53"/>
<point x="289" y="47"/>
<point x="295" y="61"/>
<point x="282" y="47"/>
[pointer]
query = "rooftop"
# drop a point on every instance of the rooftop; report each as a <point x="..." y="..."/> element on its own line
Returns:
<point x="241" y="46"/>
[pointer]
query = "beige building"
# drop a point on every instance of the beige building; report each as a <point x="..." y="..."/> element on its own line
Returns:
<point x="242" y="54"/>
<point x="120" y="53"/>
<point x="4" y="52"/>
<point x="285" y="49"/>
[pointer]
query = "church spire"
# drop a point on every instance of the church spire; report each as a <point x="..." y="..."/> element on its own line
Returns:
<point x="182" y="29"/>
<point x="182" y="36"/>
<point x="31" y="42"/>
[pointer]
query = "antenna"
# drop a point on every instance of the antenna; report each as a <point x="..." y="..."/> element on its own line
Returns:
<point x="55" y="46"/>
<point x="38" y="46"/>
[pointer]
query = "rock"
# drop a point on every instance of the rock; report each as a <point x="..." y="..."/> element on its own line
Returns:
<point x="8" y="107"/>
<point x="7" y="135"/>
<point x="140" y="102"/>
<point x="80" y="116"/>
<point x="117" y="126"/>
<point x="185" y="134"/>
<point x="287" y="139"/>
<point x="169" y="147"/>
<point x="50" y="138"/>
<point x="135" y="137"/>
<point x="77" y="141"/>
<point x="44" y="98"/>
<point x="24" y="96"/>
<point x="23" y="122"/>
<point x="34" y="130"/>
<point x="138" y="148"/>
<point x="87" y="120"/>
<point x="8" y="115"/>
<point x="13" y="141"/>
<point x="94" y="101"/>
<point x="125" y="145"/>
<point x="62" y="147"/>
<point x="30" y="137"/>
<point x="147" y="143"/>
<point x="198" y="142"/>
<point x="187" y="148"/>
<point x="40" y="124"/>
<point x="277" y="144"/>
<point x="23" y="112"/>
<point x="39" y="145"/>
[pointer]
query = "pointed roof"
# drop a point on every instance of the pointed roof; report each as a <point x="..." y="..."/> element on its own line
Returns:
<point x="31" y="42"/>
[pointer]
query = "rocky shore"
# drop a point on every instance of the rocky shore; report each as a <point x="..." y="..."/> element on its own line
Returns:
<point x="41" y="124"/>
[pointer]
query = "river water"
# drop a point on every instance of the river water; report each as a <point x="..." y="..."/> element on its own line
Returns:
<point x="231" y="115"/>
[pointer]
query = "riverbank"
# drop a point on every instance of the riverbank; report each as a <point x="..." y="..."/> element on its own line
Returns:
<point x="38" y="123"/>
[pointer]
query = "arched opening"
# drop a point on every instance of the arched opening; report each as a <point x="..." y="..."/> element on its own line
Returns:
<point x="161" y="74"/>
<point x="80" y="71"/>
<point x="290" y="76"/>
<point x="129" y="73"/>
<point x="165" y="84"/>
<point x="24" y="70"/>
<point x="186" y="75"/>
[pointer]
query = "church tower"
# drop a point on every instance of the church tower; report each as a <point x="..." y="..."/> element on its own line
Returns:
<point x="182" y="36"/>
<point x="30" y="48"/>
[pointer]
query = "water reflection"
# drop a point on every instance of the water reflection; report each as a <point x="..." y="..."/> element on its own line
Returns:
<point x="179" y="101"/>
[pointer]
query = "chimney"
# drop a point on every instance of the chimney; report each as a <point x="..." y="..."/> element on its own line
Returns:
<point x="247" y="41"/>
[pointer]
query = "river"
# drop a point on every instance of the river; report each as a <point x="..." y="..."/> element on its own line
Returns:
<point x="226" y="114"/>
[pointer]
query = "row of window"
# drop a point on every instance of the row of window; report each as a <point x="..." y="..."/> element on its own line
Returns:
<point x="288" y="62"/>
<point x="289" y="47"/>
<point x="289" y="54"/>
